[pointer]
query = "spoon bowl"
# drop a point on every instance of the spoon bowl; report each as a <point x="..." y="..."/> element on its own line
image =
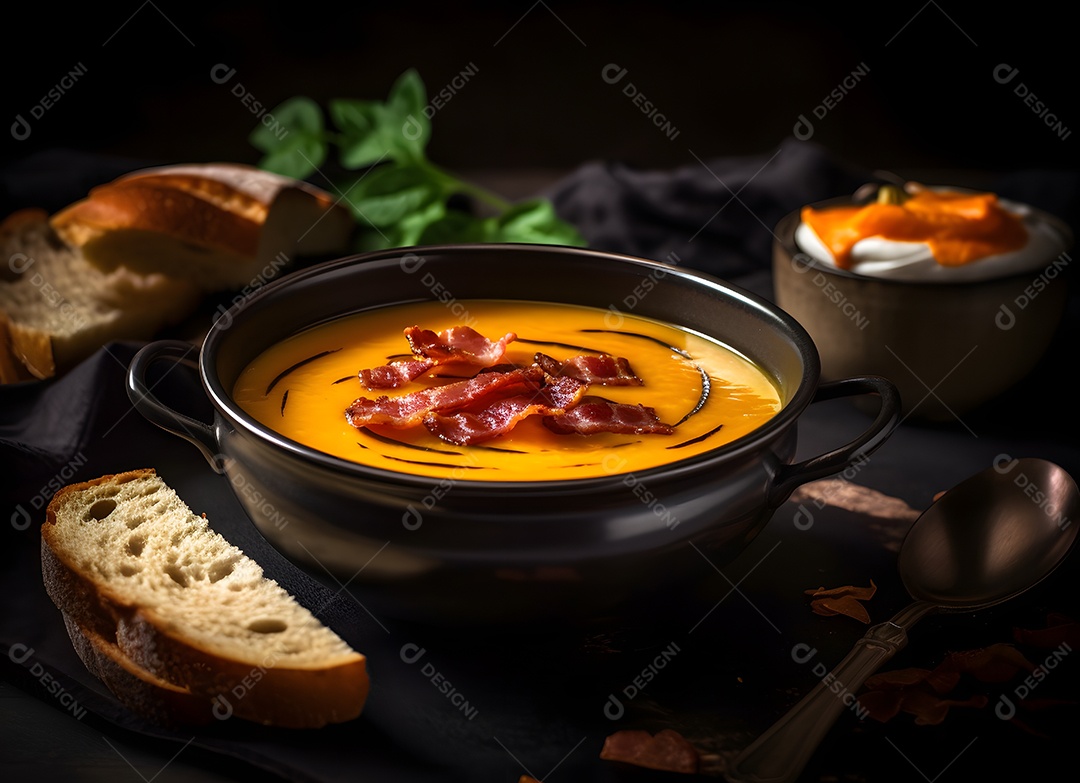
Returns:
<point x="992" y="537"/>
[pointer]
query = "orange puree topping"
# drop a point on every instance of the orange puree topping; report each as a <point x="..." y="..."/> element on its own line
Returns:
<point x="958" y="227"/>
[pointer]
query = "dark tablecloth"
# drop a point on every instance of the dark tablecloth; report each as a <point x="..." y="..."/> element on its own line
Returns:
<point x="533" y="701"/>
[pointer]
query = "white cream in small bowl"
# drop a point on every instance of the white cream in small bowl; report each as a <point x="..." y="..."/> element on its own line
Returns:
<point x="914" y="261"/>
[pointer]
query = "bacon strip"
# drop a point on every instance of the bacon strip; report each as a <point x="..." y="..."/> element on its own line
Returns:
<point x="604" y="370"/>
<point x="597" y="414"/>
<point x="409" y="410"/>
<point x="395" y="374"/>
<point x="456" y="345"/>
<point x="476" y="426"/>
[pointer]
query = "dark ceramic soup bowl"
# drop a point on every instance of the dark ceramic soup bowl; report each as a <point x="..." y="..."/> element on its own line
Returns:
<point x="461" y="550"/>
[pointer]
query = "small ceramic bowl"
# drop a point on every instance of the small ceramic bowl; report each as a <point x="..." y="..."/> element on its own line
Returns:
<point x="486" y="551"/>
<point x="948" y="346"/>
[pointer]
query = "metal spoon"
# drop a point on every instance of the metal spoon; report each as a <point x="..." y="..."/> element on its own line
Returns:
<point x="990" y="538"/>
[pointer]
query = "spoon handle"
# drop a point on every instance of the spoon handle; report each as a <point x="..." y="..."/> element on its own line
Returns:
<point x="779" y="755"/>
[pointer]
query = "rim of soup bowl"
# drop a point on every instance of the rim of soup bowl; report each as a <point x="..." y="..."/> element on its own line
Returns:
<point x="729" y="452"/>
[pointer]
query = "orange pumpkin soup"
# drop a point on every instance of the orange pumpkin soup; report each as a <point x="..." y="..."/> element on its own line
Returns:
<point x="711" y="395"/>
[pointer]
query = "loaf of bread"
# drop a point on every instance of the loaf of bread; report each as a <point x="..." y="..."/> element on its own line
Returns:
<point x="56" y="308"/>
<point x="165" y="607"/>
<point x="220" y="225"/>
<point x="139" y="253"/>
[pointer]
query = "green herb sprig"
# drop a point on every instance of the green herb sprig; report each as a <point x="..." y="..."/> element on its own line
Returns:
<point x="402" y="198"/>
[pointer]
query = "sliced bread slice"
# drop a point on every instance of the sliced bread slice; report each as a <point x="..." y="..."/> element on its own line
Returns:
<point x="127" y="558"/>
<point x="56" y="308"/>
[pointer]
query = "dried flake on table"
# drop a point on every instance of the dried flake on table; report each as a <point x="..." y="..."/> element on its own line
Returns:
<point x="668" y="750"/>
<point x="842" y="600"/>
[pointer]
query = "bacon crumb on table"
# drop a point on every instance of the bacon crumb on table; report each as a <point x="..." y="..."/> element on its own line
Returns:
<point x="842" y="600"/>
<point x="994" y="664"/>
<point x="1059" y="630"/>
<point x="923" y="693"/>
<point x="668" y="750"/>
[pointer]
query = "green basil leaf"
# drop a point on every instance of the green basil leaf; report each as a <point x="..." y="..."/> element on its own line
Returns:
<point x="406" y="233"/>
<point x="298" y="158"/>
<point x="297" y="117"/>
<point x="526" y="214"/>
<point x="361" y="125"/>
<point x="535" y="221"/>
<point x="411" y="227"/>
<point x="353" y="118"/>
<point x="408" y="126"/>
<point x="408" y="95"/>
<point x="457" y="227"/>
<point x="390" y="193"/>
<point x="562" y="233"/>
<point x="297" y="145"/>
<point x="397" y="129"/>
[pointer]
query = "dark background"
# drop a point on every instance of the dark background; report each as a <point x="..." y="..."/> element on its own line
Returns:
<point x="733" y="78"/>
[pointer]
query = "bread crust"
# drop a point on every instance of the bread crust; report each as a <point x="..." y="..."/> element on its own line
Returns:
<point x="12" y="367"/>
<point x="33" y="348"/>
<point x="257" y="691"/>
<point x="24" y="354"/>
<point x="152" y="698"/>
<point x="203" y="222"/>
<point x="155" y="207"/>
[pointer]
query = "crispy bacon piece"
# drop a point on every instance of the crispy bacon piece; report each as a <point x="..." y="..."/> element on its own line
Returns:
<point x="456" y="345"/>
<point x="1045" y="717"/>
<point x="939" y="680"/>
<point x="918" y="692"/>
<point x="845" y="605"/>
<point x="597" y="414"/>
<point x="1059" y="630"/>
<point x="604" y="370"/>
<point x="476" y="424"/>
<point x="668" y="751"/>
<point x="996" y="663"/>
<point x="930" y="709"/>
<point x="409" y="410"/>
<point x="921" y="692"/>
<point x="842" y="600"/>
<point x="881" y="705"/>
<point x="395" y="374"/>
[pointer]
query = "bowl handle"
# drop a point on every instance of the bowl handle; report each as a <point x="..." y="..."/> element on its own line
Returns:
<point x="155" y="411"/>
<point x="791" y="476"/>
